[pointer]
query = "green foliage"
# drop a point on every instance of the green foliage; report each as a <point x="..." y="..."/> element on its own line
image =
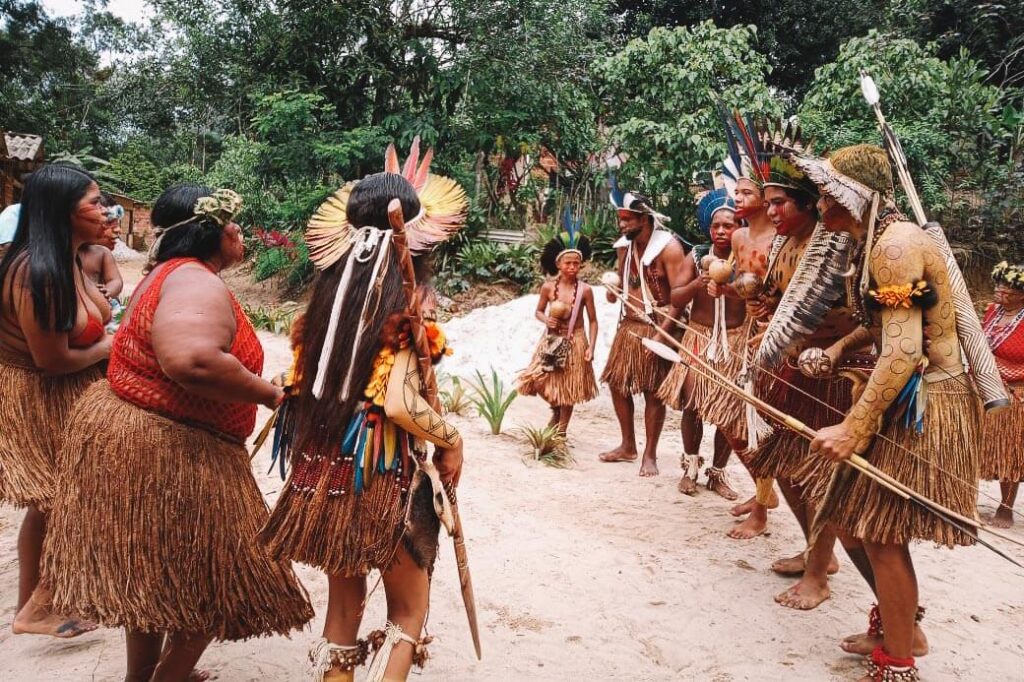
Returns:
<point x="277" y="320"/>
<point x="486" y="261"/>
<point x="270" y="262"/>
<point x="490" y="399"/>
<point x="796" y="37"/>
<point x="944" y="114"/>
<point x="547" y="445"/>
<point x="660" y="103"/>
<point x="454" y="397"/>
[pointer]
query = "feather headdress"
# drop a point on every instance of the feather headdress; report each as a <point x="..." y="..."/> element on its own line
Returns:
<point x="443" y="208"/>
<point x="569" y="240"/>
<point x="782" y="142"/>
<point x="815" y="288"/>
<point x="742" y="134"/>
<point x="634" y="203"/>
<point x="711" y="203"/>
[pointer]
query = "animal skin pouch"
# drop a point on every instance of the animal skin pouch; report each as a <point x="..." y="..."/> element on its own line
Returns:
<point x="404" y="405"/>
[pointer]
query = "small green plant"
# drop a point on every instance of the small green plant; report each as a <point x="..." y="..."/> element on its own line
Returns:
<point x="548" y="446"/>
<point x="276" y="320"/>
<point x="490" y="399"/>
<point x="454" y="397"/>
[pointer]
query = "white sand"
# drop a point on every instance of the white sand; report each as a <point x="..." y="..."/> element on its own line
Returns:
<point x="593" y="573"/>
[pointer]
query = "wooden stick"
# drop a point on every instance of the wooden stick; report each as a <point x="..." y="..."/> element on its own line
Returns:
<point x="794" y="424"/>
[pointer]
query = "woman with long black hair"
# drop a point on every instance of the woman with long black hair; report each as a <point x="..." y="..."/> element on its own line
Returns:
<point x="169" y="553"/>
<point x="52" y="341"/>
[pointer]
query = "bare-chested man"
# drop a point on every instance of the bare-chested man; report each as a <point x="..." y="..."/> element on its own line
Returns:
<point x="750" y="247"/>
<point x="650" y="268"/>
<point x="805" y="267"/>
<point x="692" y="391"/>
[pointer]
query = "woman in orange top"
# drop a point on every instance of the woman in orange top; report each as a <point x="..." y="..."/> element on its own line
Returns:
<point x="52" y="342"/>
<point x="169" y="553"/>
<point x="1003" y="455"/>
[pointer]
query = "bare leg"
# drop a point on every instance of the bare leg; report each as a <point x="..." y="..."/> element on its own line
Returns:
<point x="626" y="451"/>
<point x="692" y="429"/>
<point x="143" y="651"/>
<point x="718" y="480"/>
<point x="564" y="415"/>
<point x="30" y="551"/>
<point x="897" y="595"/>
<point x="1003" y="518"/>
<point x="180" y="655"/>
<point x="344" y="609"/>
<point x="813" y="589"/>
<point x="805" y="513"/>
<point x="554" y="416"/>
<point x="408" y="595"/>
<point x="654" y="421"/>
<point x="862" y="643"/>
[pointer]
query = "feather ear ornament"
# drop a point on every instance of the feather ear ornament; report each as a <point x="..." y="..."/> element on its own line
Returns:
<point x="443" y="208"/>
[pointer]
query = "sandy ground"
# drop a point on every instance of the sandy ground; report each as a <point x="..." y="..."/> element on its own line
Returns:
<point x="593" y="573"/>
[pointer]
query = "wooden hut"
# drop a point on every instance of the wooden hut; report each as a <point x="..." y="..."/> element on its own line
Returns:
<point x="20" y="154"/>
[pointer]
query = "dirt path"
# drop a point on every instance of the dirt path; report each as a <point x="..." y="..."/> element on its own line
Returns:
<point x="593" y="573"/>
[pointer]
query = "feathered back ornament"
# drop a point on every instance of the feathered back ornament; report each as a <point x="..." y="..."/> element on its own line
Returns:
<point x="711" y="203"/>
<point x="1009" y="275"/>
<point x="817" y="286"/>
<point x="443" y="207"/>
<point x="569" y="240"/>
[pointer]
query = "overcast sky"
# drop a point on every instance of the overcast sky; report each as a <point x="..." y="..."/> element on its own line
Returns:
<point x="132" y="10"/>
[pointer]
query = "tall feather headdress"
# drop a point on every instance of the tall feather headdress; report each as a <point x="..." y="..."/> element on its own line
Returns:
<point x="443" y="207"/>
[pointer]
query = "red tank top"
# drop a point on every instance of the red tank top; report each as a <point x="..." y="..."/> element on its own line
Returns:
<point x="136" y="377"/>
<point x="1007" y="341"/>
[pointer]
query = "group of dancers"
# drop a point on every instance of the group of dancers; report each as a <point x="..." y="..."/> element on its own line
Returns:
<point x="128" y="449"/>
<point x="817" y="299"/>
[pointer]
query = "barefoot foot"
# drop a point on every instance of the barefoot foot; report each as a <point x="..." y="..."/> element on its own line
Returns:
<point x="749" y="528"/>
<point x="804" y="596"/>
<point x="1003" y="518"/>
<point x="743" y="508"/>
<point x="34" y="619"/>
<point x="649" y="466"/>
<point x="619" y="454"/>
<point x="794" y="566"/>
<point x="862" y="644"/>
<point x="687" y="485"/>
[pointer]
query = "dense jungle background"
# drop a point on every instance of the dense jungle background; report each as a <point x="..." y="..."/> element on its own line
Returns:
<point x="526" y="102"/>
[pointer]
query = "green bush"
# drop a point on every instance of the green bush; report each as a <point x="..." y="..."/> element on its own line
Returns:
<point x="943" y="112"/>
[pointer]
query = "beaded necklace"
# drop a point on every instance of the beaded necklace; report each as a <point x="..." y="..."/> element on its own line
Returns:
<point x="998" y="333"/>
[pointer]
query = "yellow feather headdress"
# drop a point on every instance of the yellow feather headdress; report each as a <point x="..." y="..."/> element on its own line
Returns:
<point x="443" y="207"/>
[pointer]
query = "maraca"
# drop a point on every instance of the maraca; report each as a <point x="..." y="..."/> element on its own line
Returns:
<point x="720" y="271"/>
<point x="747" y="285"/>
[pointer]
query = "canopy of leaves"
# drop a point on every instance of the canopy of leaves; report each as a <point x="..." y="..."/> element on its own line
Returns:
<point x="944" y="114"/>
<point x="660" y="102"/>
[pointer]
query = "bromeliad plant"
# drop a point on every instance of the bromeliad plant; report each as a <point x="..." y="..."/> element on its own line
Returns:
<point x="490" y="399"/>
<point x="454" y="397"/>
<point x="548" y="446"/>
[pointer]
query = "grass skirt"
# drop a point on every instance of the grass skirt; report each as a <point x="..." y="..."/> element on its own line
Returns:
<point x="944" y="469"/>
<point x="631" y="368"/>
<point x="786" y="455"/>
<point x="155" y="529"/>
<point x="34" y="412"/>
<point x="572" y="384"/>
<point x="708" y="397"/>
<point x="320" y="521"/>
<point x="1002" y="452"/>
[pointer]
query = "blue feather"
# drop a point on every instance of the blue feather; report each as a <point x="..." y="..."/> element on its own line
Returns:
<point x="615" y="193"/>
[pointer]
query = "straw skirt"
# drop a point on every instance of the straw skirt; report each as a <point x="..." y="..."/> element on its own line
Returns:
<point x="631" y="368"/>
<point x="155" y="529"/>
<point x="570" y="385"/>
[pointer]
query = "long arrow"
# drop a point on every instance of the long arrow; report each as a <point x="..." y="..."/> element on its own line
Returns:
<point x="794" y="424"/>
